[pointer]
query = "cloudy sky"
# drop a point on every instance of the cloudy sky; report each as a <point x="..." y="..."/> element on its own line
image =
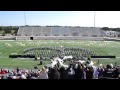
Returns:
<point x="61" y="18"/>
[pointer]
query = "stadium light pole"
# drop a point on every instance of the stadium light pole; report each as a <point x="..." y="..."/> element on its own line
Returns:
<point x="25" y="18"/>
<point x="94" y="17"/>
<point x="24" y="21"/>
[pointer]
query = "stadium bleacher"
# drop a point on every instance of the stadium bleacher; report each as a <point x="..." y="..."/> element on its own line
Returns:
<point x="65" y="31"/>
<point x="59" y="32"/>
<point x="46" y="31"/>
<point x="37" y="31"/>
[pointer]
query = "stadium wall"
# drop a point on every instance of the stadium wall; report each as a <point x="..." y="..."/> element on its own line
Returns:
<point x="58" y="38"/>
<point x="111" y="39"/>
<point x="7" y="38"/>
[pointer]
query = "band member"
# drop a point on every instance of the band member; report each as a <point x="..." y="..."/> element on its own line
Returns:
<point x="41" y="62"/>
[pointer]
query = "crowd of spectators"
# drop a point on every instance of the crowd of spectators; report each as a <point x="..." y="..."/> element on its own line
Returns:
<point x="74" y="71"/>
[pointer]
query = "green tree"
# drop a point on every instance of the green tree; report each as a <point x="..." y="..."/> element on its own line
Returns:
<point x="105" y="28"/>
<point x="7" y="30"/>
<point x="0" y="27"/>
<point x="118" y="35"/>
<point x="3" y="34"/>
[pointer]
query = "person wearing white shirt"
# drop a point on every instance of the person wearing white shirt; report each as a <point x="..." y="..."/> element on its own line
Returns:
<point x="43" y="74"/>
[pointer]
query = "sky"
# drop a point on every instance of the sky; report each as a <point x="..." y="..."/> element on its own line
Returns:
<point x="62" y="18"/>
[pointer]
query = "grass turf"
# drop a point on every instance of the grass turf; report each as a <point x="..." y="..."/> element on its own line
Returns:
<point x="100" y="47"/>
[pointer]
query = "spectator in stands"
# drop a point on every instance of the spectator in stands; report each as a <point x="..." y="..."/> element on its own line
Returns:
<point x="28" y="76"/>
<point x="71" y="71"/>
<point x="100" y="71"/>
<point x="2" y="71"/>
<point x="22" y="77"/>
<point x="115" y="73"/>
<point x="95" y="74"/>
<point x="54" y="74"/>
<point x="43" y="74"/>
<point x="79" y="72"/>
<point x="2" y="77"/>
<point x="47" y="69"/>
<point x="108" y="71"/>
<point x="89" y="73"/>
<point x="62" y="73"/>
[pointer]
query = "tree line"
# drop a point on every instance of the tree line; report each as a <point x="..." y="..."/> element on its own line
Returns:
<point x="9" y="30"/>
<point x="14" y="29"/>
<point x="109" y="29"/>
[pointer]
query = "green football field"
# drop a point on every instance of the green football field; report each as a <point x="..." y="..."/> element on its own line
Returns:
<point x="100" y="47"/>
